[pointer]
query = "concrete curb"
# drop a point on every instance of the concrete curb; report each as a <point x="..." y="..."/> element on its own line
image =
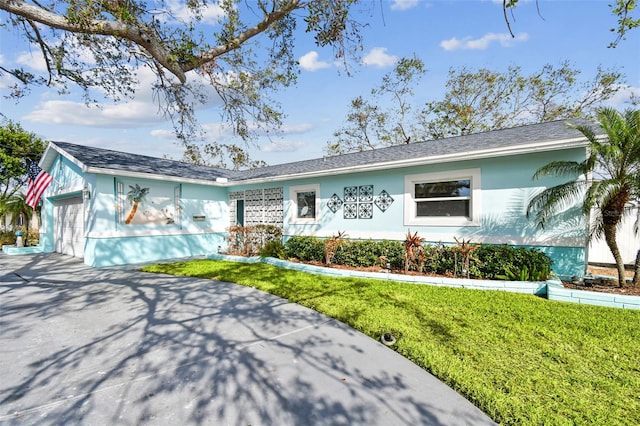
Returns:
<point x="550" y="289"/>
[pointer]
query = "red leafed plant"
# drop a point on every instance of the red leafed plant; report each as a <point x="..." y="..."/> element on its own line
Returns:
<point x="414" y="250"/>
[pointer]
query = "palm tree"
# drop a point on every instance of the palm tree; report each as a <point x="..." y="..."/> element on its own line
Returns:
<point x="636" y="228"/>
<point x="15" y="206"/>
<point x="135" y="196"/>
<point x="607" y="182"/>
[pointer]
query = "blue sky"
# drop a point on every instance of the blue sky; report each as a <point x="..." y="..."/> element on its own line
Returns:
<point x="443" y="34"/>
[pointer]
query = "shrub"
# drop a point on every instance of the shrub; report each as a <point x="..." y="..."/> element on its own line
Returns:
<point x="484" y="261"/>
<point x="33" y="237"/>
<point x="438" y="259"/>
<point x="273" y="248"/>
<point x="512" y="263"/>
<point x="305" y="248"/>
<point x="7" y="238"/>
<point x="365" y="253"/>
<point x="249" y="240"/>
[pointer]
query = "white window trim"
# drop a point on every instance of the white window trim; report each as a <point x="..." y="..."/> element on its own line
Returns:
<point x="293" y="204"/>
<point x="410" y="205"/>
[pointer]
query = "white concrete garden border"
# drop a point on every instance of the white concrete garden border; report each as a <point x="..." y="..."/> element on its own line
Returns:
<point x="550" y="289"/>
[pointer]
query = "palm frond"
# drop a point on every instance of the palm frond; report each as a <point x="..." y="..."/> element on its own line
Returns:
<point x="572" y="169"/>
<point x="545" y="205"/>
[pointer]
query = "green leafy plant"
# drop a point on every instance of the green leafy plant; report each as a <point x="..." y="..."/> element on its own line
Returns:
<point x="275" y="249"/>
<point x="498" y="262"/>
<point x="507" y="262"/>
<point x="365" y="253"/>
<point x="305" y="248"/>
<point x="7" y="238"/>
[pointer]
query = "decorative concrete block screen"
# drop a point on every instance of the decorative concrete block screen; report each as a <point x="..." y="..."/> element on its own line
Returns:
<point x="261" y="206"/>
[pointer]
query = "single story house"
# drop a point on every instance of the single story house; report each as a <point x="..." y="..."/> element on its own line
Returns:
<point x="113" y="208"/>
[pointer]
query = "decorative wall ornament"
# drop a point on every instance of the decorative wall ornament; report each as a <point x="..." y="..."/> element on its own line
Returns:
<point x="350" y="194"/>
<point x="383" y="200"/>
<point x="334" y="203"/>
<point x="350" y="210"/>
<point x="365" y="193"/>
<point x="359" y="200"/>
<point x="365" y="210"/>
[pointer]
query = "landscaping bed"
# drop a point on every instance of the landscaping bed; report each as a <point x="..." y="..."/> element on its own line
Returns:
<point x="604" y="281"/>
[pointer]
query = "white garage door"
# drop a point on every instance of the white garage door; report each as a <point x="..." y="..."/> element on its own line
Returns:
<point x="68" y="225"/>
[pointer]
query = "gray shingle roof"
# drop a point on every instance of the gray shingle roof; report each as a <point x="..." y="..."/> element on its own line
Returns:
<point x="464" y="145"/>
<point x="125" y="162"/>
<point x="467" y="144"/>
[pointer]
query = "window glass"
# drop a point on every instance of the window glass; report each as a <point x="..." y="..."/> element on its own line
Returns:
<point x="446" y="198"/>
<point x="450" y="198"/>
<point x="120" y="206"/>
<point x="447" y="208"/>
<point x="454" y="188"/>
<point x="239" y="212"/>
<point x="306" y="202"/>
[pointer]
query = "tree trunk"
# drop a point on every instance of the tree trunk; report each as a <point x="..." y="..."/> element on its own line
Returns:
<point x="610" y="238"/>
<point x="636" y="274"/>
<point x="25" y="239"/>
<point x="132" y="213"/>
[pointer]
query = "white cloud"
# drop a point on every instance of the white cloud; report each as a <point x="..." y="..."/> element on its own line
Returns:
<point x="482" y="43"/>
<point x="297" y="128"/>
<point x="33" y="58"/>
<point x="403" y="4"/>
<point x="282" y="146"/>
<point x="142" y="110"/>
<point x="211" y="12"/>
<point x="129" y="115"/>
<point x="378" y="57"/>
<point x="35" y="61"/>
<point x="309" y="61"/>
<point x="163" y="134"/>
<point x="622" y="98"/>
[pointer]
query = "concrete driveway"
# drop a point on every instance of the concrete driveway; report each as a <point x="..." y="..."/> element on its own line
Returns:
<point x="117" y="346"/>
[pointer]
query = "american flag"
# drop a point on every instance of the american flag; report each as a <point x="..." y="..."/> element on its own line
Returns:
<point x="37" y="183"/>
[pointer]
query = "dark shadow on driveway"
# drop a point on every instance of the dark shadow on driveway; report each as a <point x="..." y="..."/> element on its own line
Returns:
<point x="116" y="346"/>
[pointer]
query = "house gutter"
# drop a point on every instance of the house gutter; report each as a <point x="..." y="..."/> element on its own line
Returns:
<point x="150" y="176"/>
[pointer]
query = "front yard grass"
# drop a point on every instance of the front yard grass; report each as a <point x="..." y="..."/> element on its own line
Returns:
<point x="519" y="358"/>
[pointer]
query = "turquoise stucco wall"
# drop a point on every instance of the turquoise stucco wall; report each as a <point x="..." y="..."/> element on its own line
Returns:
<point x="111" y="242"/>
<point x="68" y="181"/>
<point x="506" y="187"/>
<point x="108" y="242"/>
<point x="138" y="249"/>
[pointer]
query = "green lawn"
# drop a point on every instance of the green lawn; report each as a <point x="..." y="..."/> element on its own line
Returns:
<point x="521" y="359"/>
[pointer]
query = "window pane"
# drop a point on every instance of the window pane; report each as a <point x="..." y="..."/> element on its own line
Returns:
<point x="443" y="208"/>
<point x="306" y="204"/>
<point x="454" y="188"/>
<point x="240" y="212"/>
